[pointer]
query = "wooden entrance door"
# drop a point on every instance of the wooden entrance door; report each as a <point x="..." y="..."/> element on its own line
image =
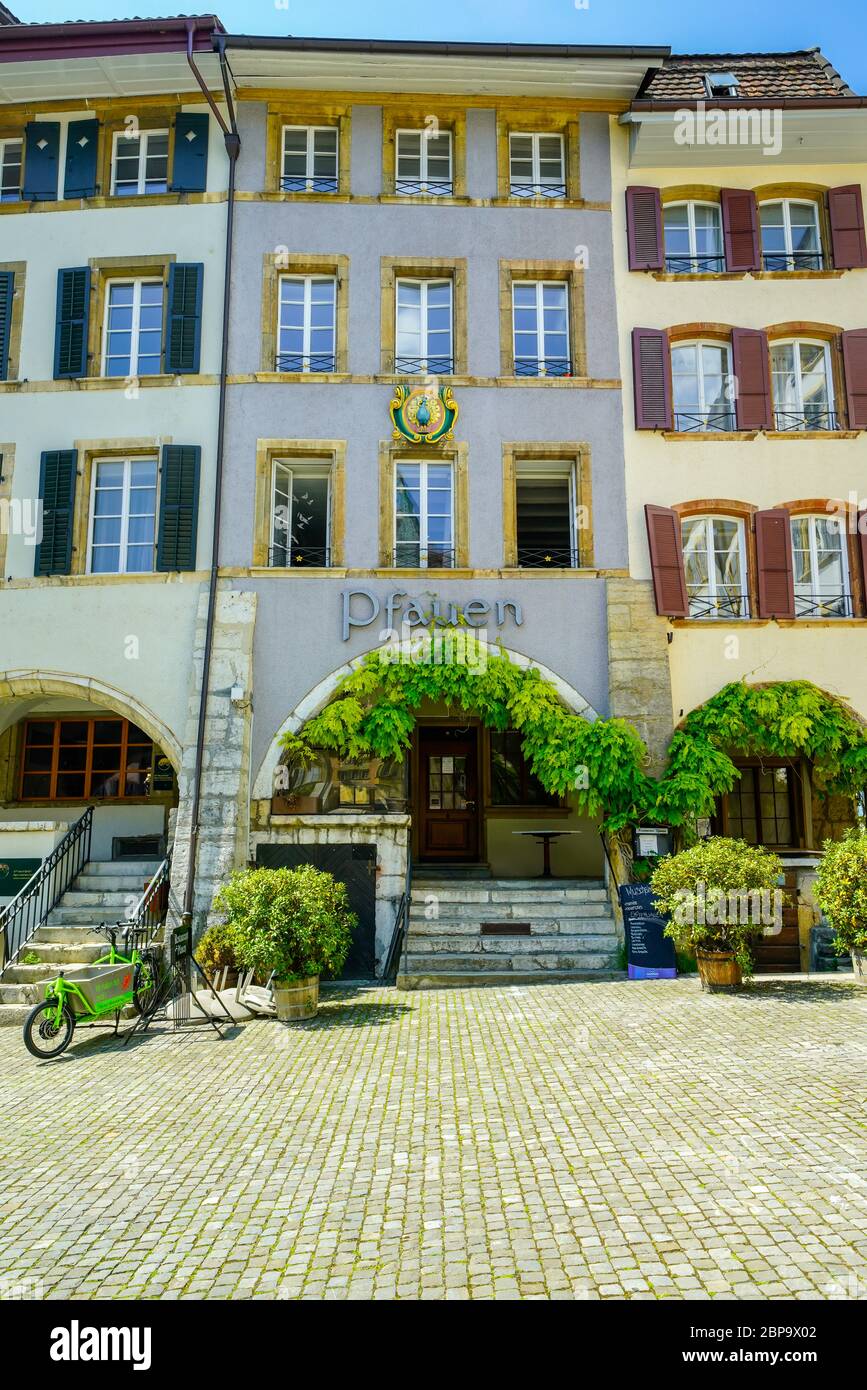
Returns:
<point x="447" y="803"/>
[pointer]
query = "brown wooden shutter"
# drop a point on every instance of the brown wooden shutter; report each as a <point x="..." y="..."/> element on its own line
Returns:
<point x="774" y="560"/>
<point x="752" y="377"/>
<point x="740" y="219"/>
<point x="666" y="561"/>
<point x="862" y="546"/>
<point x="846" y="215"/>
<point x="651" y="376"/>
<point x="644" y="228"/>
<point x="855" y="370"/>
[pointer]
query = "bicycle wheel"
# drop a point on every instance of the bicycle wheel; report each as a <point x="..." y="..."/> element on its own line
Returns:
<point x="145" y="985"/>
<point x="42" y="1035"/>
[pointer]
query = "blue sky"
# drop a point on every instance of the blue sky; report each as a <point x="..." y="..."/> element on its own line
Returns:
<point x="837" y="26"/>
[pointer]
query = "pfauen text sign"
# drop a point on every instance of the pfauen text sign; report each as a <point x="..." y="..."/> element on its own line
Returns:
<point x="361" y="607"/>
<point x="649" y="953"/>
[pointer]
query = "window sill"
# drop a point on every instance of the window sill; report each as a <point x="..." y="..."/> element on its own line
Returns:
<point x="308" y="572"/>
<point x="107" y="383"/>
<point x="671" y="276"/>
<point x="292" y="378"/>
<point x="448" y="200"/>
<point x="811" y="434"/>
<point x="86" y="580"/>
<point x="797" y="274"/>
<point x="581" y="383"/>
<point x="392" y="572"/>
<point x="763" y="622"/>
<point x="709" y="436"/>
<point x="148" y="200"/>
<point x="576" y="572"/>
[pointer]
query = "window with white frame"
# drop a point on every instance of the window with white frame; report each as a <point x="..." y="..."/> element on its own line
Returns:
<point x="133" y="336"/>
<point x="540" y="325"/>
<point x="821" y="568"/>
<point x="300" y="514"/>
<point x="546" y="514"/>
<point x="423" y="515"/>
<point x="123" y="515"/>
<point x="423" y="326"/>
<point x="803" y="386"/>
<point x="140" y="164"/>
<point x="310" y="159"/>
<point x="693" y="238"/>
<point x="714" y="561"/>
<point x="702" y="387"/>
<point x="791" y="235"/>
<point x="423" y="162"/>
<point x="11" y="164"/>
<point x="306" y="326"/>
<point x="537" y="165"/>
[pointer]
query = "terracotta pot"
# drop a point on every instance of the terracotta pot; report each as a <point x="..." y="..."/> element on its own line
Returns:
<point x="718" y="970"/>
<point x="859" y="965"/>
<point x="296" y="1000"/>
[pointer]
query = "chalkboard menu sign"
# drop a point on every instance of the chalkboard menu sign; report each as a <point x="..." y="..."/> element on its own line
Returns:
<point x="649" y="954"/>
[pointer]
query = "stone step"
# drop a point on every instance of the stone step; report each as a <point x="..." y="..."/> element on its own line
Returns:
<point x="78" y="952"/>
<point x="512" y="945"/>
<point x="73" y="897"/>
<point x="542" y="927"/>
<point x="13" y="1015"/>
<point x="66" y="935"/>
<point x="529" y="898"/>
<point x="111" y="883"/>
<point x="509" y="912"/>
<point x="129" y="868"/>
<point x="479" y="891"/>
<point x="84" y="917"/>
<point x="455" y="978"/>
<point x="541" y="962"/>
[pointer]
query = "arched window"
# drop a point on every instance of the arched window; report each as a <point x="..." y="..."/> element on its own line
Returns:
<point x="821" y="568"/>
<point x="693" y="238"/>
<point x="715" y="566"/>
<point x="803" y="385"/>
<point x="791" y="235"/>
<point x="702" y="386"/>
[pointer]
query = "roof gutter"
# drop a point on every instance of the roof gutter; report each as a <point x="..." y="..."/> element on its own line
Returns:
<point x="748" y="104"/>
<point x="473" y="50"/>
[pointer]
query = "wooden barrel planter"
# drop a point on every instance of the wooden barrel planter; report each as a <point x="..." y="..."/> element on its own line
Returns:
<point x="859" y="965"/>
<point x="296" y="1000"/>
<point x="718" y="970"/>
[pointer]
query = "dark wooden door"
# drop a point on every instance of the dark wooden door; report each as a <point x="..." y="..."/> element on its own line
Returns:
<point x="448" y="795"/>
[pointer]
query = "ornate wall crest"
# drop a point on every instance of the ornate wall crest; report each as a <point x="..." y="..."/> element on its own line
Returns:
<point x="422" y="415"/>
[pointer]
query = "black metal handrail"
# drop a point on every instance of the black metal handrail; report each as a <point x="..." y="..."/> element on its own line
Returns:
<point x="722" y="606"/>
<point x="429" y="557"/>
<point x="807" y="419"/>
<point x="400" y="931"/>
<point x="694" y="265"/>
<point x="150" y="912"/>
<point x="433" y="366"/>
<point x="314" y="184"/>
<point x="793" y="260"/>
<point x="823" y="605"/>
<point x="536" y="558"/>
<point x="284" y="557"/>
<point x="305" y="362"/>
<point x="434" y="188"/>
<point x="537" y="190"/>
<point x="543" y="366"/>
<point x="700" y="421"/>
<point x="22" y="918"/>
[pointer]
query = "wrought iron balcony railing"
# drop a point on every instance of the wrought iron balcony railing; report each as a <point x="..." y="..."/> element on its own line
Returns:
<point x="301" y="362"/>
<point x="808" y="419"/>
<point x="823" y="605"/>
<point x="793" y="260"/>
<point x="547" y="557"/>
<point x="719" y="606"/>
<point x="694" y="265"/>
<point x="316" y="184"/>
<point x="537" y="190"/>
<point x="284" y="557"/>
<point x="424" y="366"/>
<point x="427" y="188"/>
<point x="412" y="555"/>
<point x="543" y="366"/>
<point x="701" y="421"/>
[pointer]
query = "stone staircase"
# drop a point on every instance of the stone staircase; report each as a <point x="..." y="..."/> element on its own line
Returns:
<point x="507" y="931"/>
<point x="104" y="891"/>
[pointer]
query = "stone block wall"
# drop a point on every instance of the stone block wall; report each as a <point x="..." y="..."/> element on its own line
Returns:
<point x="639" y="681"/>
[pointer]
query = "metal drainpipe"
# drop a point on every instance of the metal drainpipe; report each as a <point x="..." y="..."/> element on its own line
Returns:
<point x="233" y="149"/>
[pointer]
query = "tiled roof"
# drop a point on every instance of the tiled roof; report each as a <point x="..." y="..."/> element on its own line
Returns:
<point x="761" y="76"/>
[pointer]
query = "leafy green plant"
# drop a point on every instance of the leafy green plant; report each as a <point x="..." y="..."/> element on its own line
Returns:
<point x="215" y="949"/>
<point x="30" y="958"/>
<point x="296" y="922"/>
<point x="713" y="895"/>
<point x="841" y="889"/>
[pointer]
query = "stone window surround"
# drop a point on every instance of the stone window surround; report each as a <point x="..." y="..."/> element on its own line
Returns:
<point x="105" y="269"/>
<point x="89" y="451"/>
<point x="573" y="276"/>
<point x="278" y="263"/>
<point x="295" y="111"/>
<point x="267" y="450"/>
<point x="7" y="473"/>
<point x="541" y="121"/>
<point x="457" y="454"/>
<point x="418" y="116"/>
<point x="394" y="268"/>
<point x="576" y="453"/>
<point x="19" y="270"/>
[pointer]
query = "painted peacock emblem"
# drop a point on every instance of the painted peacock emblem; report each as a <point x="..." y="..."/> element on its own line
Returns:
<point x="423" y="415"/>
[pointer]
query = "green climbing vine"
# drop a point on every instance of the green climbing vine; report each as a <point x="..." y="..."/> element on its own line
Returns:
<point x="602" y="764"/>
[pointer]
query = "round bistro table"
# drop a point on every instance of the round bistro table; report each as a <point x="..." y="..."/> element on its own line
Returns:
<point x="544" y="837"/>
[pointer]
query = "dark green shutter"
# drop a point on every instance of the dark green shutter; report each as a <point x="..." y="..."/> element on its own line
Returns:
<point x="73" y="314"/>
<point x="82" y="140"/>
<point x="57" y="476"/>
<point x="179" y="507"/>
<point x="7" y="290"/>
<point x="190" y="169"/>
<point x="41" y="155"/>
<point x="184" y="318"/>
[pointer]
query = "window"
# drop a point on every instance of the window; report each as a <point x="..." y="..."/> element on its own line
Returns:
<point x="11" y="160"/>
<point x="424" y="163"/>
<point x="537" y="166"/>
<point x="701" y="384"/>
<point x="141" y="163"/>
<point x="791" y="238"/>
<point x="721" y="84"/>
<point x="76" y="759"/>
<point x="133" y="338"/>
<point x="803" y="386"/>
<point x="306" y="328"/>
<point x="540" y="325"/>
<point x="309" y="159"/>
<point x="820" y="568"/>
<point x="123" y="516"/>
<point x="423" y="515"/>
<point x="546" y="515"/>
<point x="512" y="782"/>
<point x="423" y="326"/>
<point x="762" y="807"/>
<point x="693" y="238"/>
<point x="301" y="514"/>
<point x="714" y="560"/>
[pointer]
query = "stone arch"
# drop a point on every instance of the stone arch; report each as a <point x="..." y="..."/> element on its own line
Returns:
<point x="23" y="685"/>
<point x="317" y="698"/>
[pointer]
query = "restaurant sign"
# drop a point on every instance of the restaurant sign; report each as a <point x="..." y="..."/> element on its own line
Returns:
<point x="362" y="607"/>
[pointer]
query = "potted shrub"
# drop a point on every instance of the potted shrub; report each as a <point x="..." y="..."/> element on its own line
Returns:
<point x="215" y="951"/>
<point x="841" y="892"/>
<point x="294" y="922"/>
<point x="718" y="895"/>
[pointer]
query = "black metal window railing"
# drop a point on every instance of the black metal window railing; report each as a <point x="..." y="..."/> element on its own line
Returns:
<point x="305" y="362"/>
<point x="538" y="190"/>
<point x="700" y="421"/>
<point x="416" y="366"/>
<point x="547" y="557"/>
<point x="719" y="606"/>
<point x="823" y="605"/>
<point x="431" y="188"/>
<point x="284" y="557"/>
<point x="316" y="184"/>
<point x="809" y="418"/>
<point x="543" y="366"/>
<point x="793" y="260"/>
<point x="694" y="265"/>
<point x="413" y="555"/>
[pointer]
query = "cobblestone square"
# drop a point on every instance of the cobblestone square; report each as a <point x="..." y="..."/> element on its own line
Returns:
<point x="599" y="1141"/>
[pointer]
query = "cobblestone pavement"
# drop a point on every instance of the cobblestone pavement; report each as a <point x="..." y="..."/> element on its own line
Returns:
<point x="606" y="1140"/>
